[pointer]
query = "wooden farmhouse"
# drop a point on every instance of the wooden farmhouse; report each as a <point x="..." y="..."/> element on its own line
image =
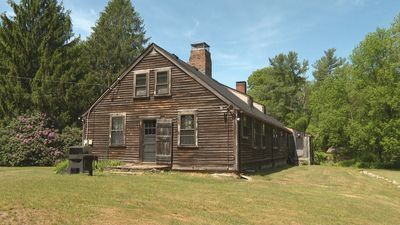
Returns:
<point x="164" y="111"/>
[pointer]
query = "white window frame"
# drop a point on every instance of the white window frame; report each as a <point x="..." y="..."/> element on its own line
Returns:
<point x="158" y="70"/>
<point x="112" y="115"/>
<point x="196" y="127"/>
<point x="140" y="72"/>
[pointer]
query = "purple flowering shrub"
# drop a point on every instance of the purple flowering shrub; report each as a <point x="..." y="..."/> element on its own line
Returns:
<point x="28" y="140"/>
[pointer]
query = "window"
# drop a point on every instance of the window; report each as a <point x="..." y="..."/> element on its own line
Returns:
<point x="283" y="140"/>
<point x="245" y="128"/>
<point x="141" y="84"/>
<point x="274" y="138"/>
<point x="117" y="129"/>
<point x="187" y="129"/>
<point x="163" y="82"/>
<point x="263" y="136"/>
<point x="254" y="133"/>
<point x="150" y="127"/>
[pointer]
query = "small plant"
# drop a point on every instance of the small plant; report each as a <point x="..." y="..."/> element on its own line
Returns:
<point x="102" y="164"/>
<point x="61" y="167"/>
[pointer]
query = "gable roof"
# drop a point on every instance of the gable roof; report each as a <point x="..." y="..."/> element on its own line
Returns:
<point x="221" y="91"/>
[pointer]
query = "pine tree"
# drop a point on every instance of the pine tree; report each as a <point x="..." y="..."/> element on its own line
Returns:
<point x="327" y="64"/>
<point x="117" y="39"/>
<point x="38" y="64"/>
<point x="281" y="87"/>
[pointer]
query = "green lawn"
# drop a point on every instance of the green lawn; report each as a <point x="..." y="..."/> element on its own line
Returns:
<point x="298" y="195"/>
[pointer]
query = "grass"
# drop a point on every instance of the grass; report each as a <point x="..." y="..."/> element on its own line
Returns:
<point x="298" y="195"/>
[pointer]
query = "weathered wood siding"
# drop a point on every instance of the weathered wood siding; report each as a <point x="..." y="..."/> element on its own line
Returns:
<point x="276" y="151"/>
<point x="215" y="134"/>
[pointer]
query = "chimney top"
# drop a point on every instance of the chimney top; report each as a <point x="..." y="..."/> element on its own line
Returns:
<point x="241" y="86"/>
<point x="200" y="58"/>
<point x="200" y="45"/>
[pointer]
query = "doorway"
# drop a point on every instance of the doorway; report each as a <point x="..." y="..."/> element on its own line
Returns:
<point x="149" y="141"/>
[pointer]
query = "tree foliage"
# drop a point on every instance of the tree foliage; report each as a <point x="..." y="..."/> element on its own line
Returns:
<point x="38" y="61"/>
<point x="281" y="88"/>
<point x="117" y="39"/>
<point x="327" y="65"/>
<point x="356" y="107"/>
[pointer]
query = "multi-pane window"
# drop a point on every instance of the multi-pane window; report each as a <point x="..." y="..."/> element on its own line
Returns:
<point x="162" y="84"/>
<point x="264" y="136"/>
<point x="150" y="128"/>
<point x="245" y="127"/>
<point x="141" y="85"/>
<point x="117" y="130"/>
<point x="188" y="130"/>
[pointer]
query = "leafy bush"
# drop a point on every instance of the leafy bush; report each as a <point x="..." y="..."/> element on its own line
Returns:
<point x="320" y="157"/>
<point x="61" y="166"/>
<point x="29" y="140"/>
<point x="70" y="136"/>
<point x="102" y="164"/>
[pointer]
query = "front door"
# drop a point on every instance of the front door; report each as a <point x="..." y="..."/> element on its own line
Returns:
<point x="149" y="141"/>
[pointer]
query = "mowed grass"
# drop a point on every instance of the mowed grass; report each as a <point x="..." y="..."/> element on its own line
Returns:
<point x="297" y="195"/>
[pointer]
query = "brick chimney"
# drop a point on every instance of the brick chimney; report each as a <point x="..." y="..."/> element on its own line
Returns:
<point x="241" y="86"/>
<point x="200" y="57"/>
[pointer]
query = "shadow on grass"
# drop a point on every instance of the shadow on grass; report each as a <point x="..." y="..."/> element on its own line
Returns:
<point x="266" y="172"/>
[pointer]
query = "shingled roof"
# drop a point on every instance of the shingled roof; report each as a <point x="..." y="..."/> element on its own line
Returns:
<point x="223" y="92"/>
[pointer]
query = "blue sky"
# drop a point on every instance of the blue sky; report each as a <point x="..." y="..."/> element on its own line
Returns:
<point x="244" y="34"/>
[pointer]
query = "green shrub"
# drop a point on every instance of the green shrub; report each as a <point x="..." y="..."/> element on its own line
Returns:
<point x="61" y="166"/>
<point x="102" y="164"/>
<point x="70" y="136"/>
<point x="320" y="157"/>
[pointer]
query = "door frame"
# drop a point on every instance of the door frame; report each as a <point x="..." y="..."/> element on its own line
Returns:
<point x="141" y="137"/>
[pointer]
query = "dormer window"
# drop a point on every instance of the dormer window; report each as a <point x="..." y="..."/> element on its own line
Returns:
<point x="141" y="84"/>
<point x="162" y="82"/>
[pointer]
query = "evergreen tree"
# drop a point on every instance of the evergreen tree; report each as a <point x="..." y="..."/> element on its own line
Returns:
<point x="281" y="88"/>
<point x="117" y="39"/>
<point x="327" y="65"/>
<point x="38" y="59"/>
